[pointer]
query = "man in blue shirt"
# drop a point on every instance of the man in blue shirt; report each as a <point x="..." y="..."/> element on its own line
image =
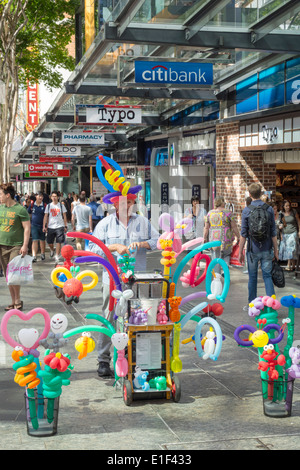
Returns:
<point x="120" y="232"/>
<point x="96" y="210"/>
<point x="37" y="209"/>
<point x="264" y="252"/>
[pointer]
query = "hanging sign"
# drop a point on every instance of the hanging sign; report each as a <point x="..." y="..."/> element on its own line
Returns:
<point x="48" y="174"/>
<point x="46" y="159"/>
<point x="82" y="137"/>
<point x="102" y="114"/>
<point x="180" y="73"/>
<point x="37" y="167"/>
<point x="60" y="150"/>
<point x="32" y="110"/>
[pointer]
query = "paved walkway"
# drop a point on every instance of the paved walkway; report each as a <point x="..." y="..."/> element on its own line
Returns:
<point x="220" y="406"/>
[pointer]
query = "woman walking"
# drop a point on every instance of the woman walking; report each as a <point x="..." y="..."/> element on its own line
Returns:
<point x="289" y="245"/>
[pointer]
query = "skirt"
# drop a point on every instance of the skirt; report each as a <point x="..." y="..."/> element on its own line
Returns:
<point x="289" y="246"/>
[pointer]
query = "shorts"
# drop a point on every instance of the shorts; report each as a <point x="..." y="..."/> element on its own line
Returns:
<point x="37" y="233"/>
<point x="56" y="233"/>
<point x="7" y="253"/>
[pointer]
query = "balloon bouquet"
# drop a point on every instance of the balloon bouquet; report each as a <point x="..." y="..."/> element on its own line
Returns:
<point x="43" y="387"/>
<point x="278" y="370"/>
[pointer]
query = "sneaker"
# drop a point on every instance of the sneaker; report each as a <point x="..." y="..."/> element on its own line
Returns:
<point x="57" y="258"/>
<point x="246" y="308"/>
<point x="34" y="260"/>
<point x="104" y="370"/>
<point x="51" y="253"/>
<point x="42" y="257"/>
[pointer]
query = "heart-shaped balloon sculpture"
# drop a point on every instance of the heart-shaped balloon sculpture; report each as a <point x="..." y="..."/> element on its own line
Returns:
<point x="31" y="339"/>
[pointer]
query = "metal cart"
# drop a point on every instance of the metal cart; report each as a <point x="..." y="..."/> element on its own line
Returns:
<point x="149" y="347"/>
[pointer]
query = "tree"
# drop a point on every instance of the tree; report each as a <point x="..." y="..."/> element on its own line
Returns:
<point x="34" y="35"/>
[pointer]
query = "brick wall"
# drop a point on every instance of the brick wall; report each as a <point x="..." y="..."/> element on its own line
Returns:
<point x="235" y="171"/>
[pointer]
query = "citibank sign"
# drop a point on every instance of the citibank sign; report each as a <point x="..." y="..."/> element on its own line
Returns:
<point x="183" y="73"/>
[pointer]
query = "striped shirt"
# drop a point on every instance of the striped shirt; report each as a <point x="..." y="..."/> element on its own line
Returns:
<point x="110" y="231"/>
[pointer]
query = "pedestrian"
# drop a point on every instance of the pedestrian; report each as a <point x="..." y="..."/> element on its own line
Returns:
<point x="75" y="202"/>
<point x="197" y="213"/>
<point x="97" y="210"/>
<point x="289" y="246"/>
<point x="279" y="221"/>
<point x="248" y="201"/>
<point x="220" y="225"/>
<point x="37" y="211"/>
<point x="14" y="236"/>
<point x="262" y="248"/>
<point x="55" y="224"/>
<point x="68" y="202"/>
<point x="82" y="214"/>
<point x="121" y="232"/>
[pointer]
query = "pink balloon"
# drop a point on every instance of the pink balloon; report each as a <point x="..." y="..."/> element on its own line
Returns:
<point x="190" y="243"/>
<point x="198" y="257"/>
<point x="25" y="317"/>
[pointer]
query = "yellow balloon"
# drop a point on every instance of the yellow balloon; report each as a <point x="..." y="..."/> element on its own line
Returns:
<point x="81" y="344"/>
<point x="91" y="284"/>
<point x="54" y="275"/>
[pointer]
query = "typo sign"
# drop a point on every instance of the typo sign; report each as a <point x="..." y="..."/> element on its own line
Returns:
<point x="269" y="134"/>
<point x="101" y="114"/>
<point x="180" y="73"/>
<point x="67" y="150"/>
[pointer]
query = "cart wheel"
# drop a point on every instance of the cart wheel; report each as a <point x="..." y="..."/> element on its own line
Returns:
<point x="176" y="389"/>
<point x="127" y="393"/>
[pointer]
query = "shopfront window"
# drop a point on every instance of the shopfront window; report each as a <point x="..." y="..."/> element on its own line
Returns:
<point x="271" y="87"/>
<point x="246" y="95"/>
<point x="293" y="81"/>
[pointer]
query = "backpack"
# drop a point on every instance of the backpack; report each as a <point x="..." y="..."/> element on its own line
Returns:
<point x="259" y="224"/>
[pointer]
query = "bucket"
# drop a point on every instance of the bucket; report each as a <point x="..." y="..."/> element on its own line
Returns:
<point x="277" y="397"/>
<point x="150" y="305"/>
<point x="41" y="415"/>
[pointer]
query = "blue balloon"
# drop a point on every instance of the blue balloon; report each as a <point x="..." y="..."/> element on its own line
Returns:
<point x="191" y="313"/>
<point x="190" y="255"/>
<point x="208" y="278"/>
<point x="219" y="336"/>
<point x="114" y="165"/>
<point x="290" y="301"/>
<point x="105" y="263"/>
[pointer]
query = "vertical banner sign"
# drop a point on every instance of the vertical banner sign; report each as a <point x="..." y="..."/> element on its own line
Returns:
<point x="32" y="117"/>
<point x="164" y="197"/>
<point x="196" y="191"/>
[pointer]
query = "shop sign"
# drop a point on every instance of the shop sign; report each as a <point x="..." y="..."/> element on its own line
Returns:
<point x="180" y="73"/>
<point x="47" y="159"/>
<point x="37" y="167"/>
<point x="82" y="138"/>
<point x="101" y="114"/>
<point x="164" y="193"/>
<point x="48" y="174"/>
<point x="32" y="110"/>
<point x="60" y="150"/>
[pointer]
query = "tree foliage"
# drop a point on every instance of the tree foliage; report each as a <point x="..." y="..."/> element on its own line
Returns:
<point x="34" y="39"/>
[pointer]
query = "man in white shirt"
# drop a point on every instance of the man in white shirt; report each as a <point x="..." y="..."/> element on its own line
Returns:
<point x="83" y="215"/>
<point x="55" y="224"/>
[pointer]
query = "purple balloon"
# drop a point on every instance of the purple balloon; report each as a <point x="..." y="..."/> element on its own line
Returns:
<point x="105" y="263"/>
<point x="190" y="297"/>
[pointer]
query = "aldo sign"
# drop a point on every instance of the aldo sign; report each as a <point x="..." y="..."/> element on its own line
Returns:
<point x="180" y="73"/>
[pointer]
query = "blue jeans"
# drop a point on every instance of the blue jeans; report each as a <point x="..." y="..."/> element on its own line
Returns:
<point x="265" y="258"/>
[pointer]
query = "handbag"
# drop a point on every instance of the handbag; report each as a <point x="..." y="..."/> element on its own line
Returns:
<point x="277" y="274"/>
<point x="234" y="257"/>
<point x="19" y="271"/>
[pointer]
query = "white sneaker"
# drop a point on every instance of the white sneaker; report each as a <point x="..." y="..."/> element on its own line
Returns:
<point x="51" y="253"/>
<point x="246" y="308"/>
<point x="57" y="258"/>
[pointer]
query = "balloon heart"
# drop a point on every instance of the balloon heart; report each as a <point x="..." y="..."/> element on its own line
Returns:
<point x="25" y="317"/>
<point x="28" y="337"/>
<point x="119" y="340"/>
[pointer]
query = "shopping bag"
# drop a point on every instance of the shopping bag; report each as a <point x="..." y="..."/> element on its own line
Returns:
<point x="19" y="271"/>
<point x="234" y="257"/>
<point x="277" y="274"/>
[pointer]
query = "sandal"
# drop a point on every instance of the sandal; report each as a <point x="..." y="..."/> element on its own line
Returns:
<point x="19" y="306"/>
<point x="9" y="307"/>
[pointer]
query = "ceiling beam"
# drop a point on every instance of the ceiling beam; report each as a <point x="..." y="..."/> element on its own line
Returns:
<point x="202" y="16"/>
<point x="275" y="18"/>
<point x="143" y="93"/>
<point x="164" y="34"/>
<point x="124" y="13"/>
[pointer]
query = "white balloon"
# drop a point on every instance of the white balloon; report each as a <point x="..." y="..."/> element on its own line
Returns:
<point x="119" y="340"/>
<point x="28" y="337"/>
<point x="59" y="323"/>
